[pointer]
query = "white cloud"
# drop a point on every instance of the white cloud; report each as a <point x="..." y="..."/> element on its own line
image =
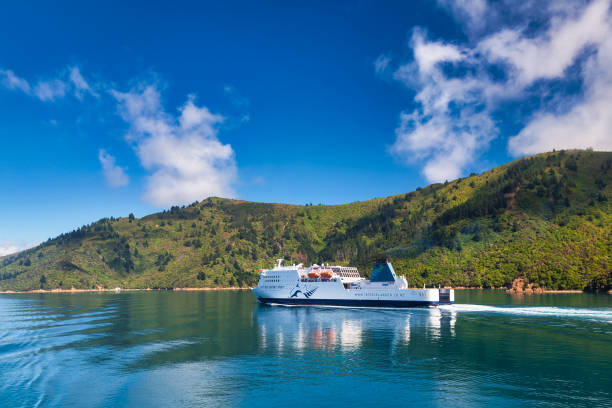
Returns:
<point x="447" y="143"/>
<point x="50" y="90"/>
<point x="452" y="121"/>
<point x="8" y="248"/>
<point x="548" y="55"/>
<point x="382" y="63"/>
<point x="80" y="86"/>
<point x="115" y="175"/>
<point x="12" y="81"/>
<point x="446" y="137"/>
<point x="587" y="123"/>
<point x="472" y="12"/>
<point x="184" y="154"/>
<point x="428" y="54"/>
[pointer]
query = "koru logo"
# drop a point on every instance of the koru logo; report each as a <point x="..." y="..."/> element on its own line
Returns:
<point x="297" y="291"/>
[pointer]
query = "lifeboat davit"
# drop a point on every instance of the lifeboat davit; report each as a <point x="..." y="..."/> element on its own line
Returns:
<point x="326" y="274"/>
<point x="313" y="274"/>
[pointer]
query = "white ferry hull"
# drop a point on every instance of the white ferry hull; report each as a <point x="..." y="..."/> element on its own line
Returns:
<point x="300" y="286"/>
<point x="349" y="302"/>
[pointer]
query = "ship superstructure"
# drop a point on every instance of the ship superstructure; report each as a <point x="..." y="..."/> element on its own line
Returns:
<point x="335" y="285"/>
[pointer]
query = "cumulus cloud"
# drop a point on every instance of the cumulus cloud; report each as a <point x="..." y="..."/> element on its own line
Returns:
<point x="458" y="95"/>
<point x="184" y="154"/>
<point x="115" y="175"/>
<point x="429" y="53"/>
<point x="588" y="123"/>
<point x="447" y="142"/>
<point x="549" y="54"/>
<point x="451" y="123"/>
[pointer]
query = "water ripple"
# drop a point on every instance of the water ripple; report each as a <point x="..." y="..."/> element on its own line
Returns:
<point x="222" y="349"/>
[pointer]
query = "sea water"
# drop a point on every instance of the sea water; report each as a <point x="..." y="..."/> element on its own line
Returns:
<point x="223" y="349"/>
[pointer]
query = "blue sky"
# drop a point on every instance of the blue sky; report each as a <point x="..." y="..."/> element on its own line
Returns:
<point x="108" y="108"/>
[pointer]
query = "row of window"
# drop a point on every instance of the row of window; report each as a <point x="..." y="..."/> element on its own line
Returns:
<point x="318" y="280"/>
<point x="382" y="294"/>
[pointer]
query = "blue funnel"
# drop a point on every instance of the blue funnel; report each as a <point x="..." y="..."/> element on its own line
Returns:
<point x="383" y="272"/>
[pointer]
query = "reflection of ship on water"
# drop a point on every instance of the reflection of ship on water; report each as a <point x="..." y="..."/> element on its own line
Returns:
<point x="300" y="329"/>
<point x="435" y="323"/>
<point x="401" y="336"/>
<point x="345" y="329"/>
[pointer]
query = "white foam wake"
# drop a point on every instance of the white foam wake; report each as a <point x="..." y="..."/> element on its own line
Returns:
<point x="599" y="314"/>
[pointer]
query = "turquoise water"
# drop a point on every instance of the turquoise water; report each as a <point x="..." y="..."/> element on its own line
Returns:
<point x="223" y="349"/>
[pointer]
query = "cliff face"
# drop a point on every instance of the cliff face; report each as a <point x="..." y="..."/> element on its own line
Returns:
<point x="545" y="219"/>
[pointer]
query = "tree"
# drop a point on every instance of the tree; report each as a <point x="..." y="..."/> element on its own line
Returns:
<point x="131" y="217"/>
<point x="43" y="280"/>
<point x="201" y="276"/>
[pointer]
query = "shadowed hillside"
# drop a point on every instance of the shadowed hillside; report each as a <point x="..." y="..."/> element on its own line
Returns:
<point x="545" y="218"/>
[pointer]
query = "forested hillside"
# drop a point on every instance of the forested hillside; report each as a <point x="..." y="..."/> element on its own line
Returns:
<point x="545" y="218"/>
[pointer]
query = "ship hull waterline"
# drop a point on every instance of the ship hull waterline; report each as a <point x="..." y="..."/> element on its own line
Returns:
<point x="351" y="302"/>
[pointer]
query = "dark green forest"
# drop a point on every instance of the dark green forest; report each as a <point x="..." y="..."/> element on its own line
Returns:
<point x="546" y="219"/>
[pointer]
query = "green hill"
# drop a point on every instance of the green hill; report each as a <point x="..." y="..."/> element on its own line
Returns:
<point x="545" y="218"/>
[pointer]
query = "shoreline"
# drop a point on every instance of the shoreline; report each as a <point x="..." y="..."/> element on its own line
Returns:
<point x="543" y="292"/>
<point x="206" y="289"/>
<point x="75" y="290"/>
<point x="529" y="292"/>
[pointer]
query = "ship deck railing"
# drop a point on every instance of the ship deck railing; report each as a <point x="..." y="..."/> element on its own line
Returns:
<point x="318" y="279"/>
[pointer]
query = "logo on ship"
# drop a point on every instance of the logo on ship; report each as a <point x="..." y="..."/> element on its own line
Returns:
<point x="297" y="291"/>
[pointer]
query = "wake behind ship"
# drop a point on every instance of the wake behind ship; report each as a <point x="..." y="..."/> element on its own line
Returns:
<point x="343" y="286"/>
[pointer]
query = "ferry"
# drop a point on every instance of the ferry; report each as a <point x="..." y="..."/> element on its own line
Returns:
<point x="333" y="285"/>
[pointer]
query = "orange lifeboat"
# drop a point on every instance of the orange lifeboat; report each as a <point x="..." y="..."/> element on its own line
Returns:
<point x="313" y="274"/>
<point x="326" y="274"/>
